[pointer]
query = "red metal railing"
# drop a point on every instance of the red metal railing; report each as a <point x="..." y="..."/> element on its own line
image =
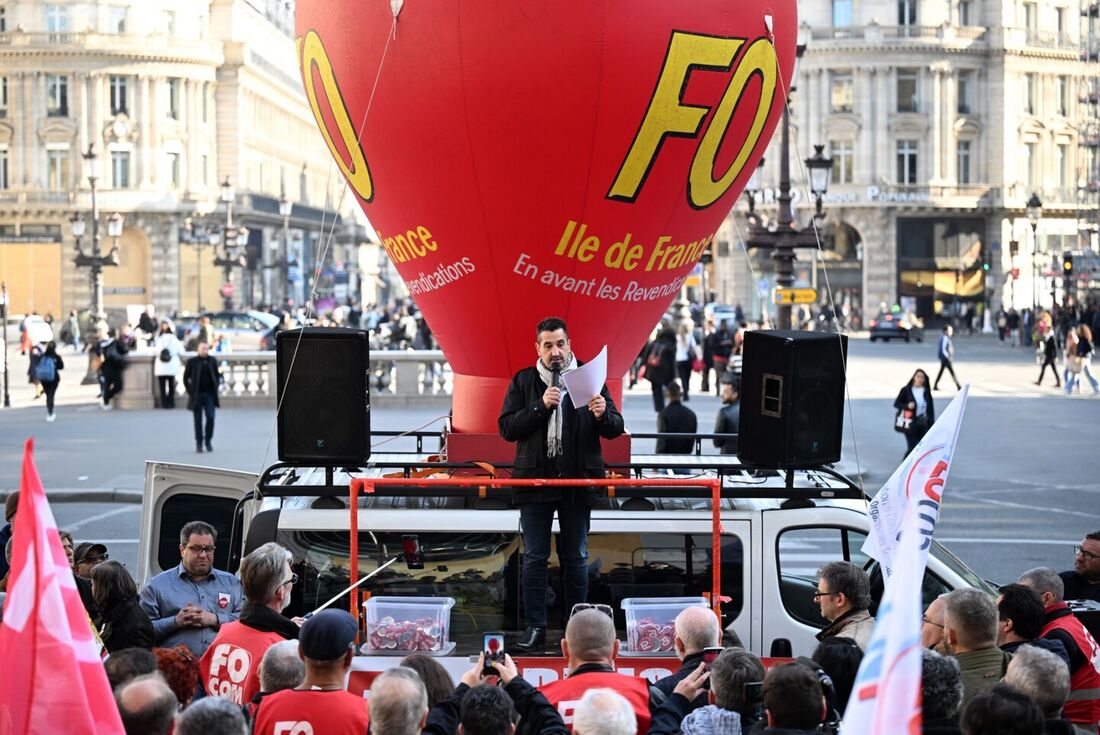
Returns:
<point x="367" y="485"/>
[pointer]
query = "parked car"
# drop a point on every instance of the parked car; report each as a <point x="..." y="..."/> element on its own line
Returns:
<point x="887" y="326"/>
<point x="244" y="329"/>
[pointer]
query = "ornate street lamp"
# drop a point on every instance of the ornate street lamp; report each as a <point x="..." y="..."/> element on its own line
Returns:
<point x="821" y="174"/>
<point x="1034" y="209"/>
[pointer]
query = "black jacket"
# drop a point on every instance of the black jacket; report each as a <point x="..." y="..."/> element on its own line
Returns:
<point x="688" y="665"/>
<point x="524" y="420"/>
<point x="905" y="397"/>
<point x="676" y="418"/>
<point x="126" y="625"/>
<point x="534" y="710"/>
<point x="660" y="361"/>
<point x="728" y="422"/>
<point x="1079" y="588"/>
<point x="201" y="374"/>
<point x="947" y="726"/>
<point x="1047" y="644"/>
<point x="266" y="620"/>
<point x="1050" y="346"/>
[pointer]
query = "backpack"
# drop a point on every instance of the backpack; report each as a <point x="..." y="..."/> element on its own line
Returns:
<point x="46" y="370"/>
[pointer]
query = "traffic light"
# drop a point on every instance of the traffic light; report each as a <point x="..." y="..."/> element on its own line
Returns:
<point x="985" y="261"/>
<point x="1067" y="263"/>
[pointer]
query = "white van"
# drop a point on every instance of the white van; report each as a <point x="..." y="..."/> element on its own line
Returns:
<point x="778" y="529"/>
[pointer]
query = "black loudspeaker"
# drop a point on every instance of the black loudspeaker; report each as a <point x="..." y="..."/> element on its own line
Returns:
<point x="323" y="396"/>
<point x="792" y="398"/>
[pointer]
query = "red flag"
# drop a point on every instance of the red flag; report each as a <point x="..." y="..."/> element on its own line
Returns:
<point x="53" y="679"/>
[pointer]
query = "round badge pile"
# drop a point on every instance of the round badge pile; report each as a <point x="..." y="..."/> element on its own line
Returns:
<point x="650" y="636"/>
<point x="405" y="635"/>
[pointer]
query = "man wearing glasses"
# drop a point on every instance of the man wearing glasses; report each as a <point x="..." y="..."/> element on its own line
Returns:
<point x="189" y="602"/>
<point x="844" y="594"/>
<point x="230" y="667"/>
<point x="1083" y="583"/>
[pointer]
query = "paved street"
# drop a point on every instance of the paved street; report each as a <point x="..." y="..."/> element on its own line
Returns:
<point x="1021" y="493"/>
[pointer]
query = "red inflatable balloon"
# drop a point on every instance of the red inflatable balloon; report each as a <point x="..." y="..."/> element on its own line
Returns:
<point x="526" y="158"/>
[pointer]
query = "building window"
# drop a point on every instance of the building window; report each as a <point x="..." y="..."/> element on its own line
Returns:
<point x="205" y="94"/>
<point x="1029" y="165"/>
<point x="964" y="12"/>
<point x="965" y="93"/>
<point x="1060" y="21"/>
<point x="907" y="12"/>
<point x="116" y="19"/>
<point x="842" y="13"/>
<point x="120" y="95"/>
<point x="964" y="162"/>
<point x="1031" y="19"/>
<point x="170" y="22"/>
<point x="3" y="96"/>
<point x="57" y="19"/>
<point x="841" y="153"/>
<point x="120" y="169"/>
<point x="1030" y="83"/>
<point x="907" y="90"/>
<point x="1062" y="92"/>
<point x="205" y="169"/>
<point x="57" y="95"/>
<point x="174" y="169"/>
<point x="3" y="19"/>
<point x="907" y="161"/>
<point x="57" y="169"/>
<point x="1062" y="165"/>
<point x="841" y="96"/>
<point x="3" y="168"/>
<point x="174" y="98"/>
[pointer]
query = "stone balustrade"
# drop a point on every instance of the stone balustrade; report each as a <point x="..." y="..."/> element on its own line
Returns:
<point x="399" y="379"/>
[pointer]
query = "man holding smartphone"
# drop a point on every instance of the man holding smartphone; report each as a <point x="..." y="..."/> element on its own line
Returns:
<point x="554" y="440"/>
<point x="696" y="632"/>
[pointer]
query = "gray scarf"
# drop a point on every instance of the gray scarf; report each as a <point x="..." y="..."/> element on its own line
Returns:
<point x="553" y="432"/>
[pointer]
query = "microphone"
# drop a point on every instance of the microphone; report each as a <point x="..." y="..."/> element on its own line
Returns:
<point x="555" y="378"/>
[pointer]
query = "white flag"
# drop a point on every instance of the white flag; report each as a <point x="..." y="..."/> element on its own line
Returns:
<point x="918" y="481"/>
<point x="885" y="698"/>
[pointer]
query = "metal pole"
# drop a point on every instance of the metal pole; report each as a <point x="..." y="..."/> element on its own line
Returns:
<point x="4" y="318"/>
<point x="285" y="288"/>
<point x="200" y="246"/>
<point x="784" y="246"/>
<point x="97" y="263"/>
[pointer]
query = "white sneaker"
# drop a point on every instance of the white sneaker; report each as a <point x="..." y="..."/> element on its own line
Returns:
<point x="51" y="417"/>
<point x="108" y="407"/>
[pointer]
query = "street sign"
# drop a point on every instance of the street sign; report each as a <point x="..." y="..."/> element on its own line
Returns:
<point x="795" y="296"/>
<point x="226" y="290"/>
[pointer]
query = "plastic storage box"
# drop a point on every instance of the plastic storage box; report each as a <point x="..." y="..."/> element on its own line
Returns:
<point x="650" y="623"/>
<point x="398" y="626"/>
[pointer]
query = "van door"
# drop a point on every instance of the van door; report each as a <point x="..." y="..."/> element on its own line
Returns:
<point x="176" y="494"/>
<point x="796" y="542"/>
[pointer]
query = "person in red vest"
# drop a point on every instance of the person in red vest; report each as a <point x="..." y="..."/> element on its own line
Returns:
<point x="230" y="668"/>
<point x="590" y="647"/>
<point x="1083" y="705"/>
<point x="320" y="704"/>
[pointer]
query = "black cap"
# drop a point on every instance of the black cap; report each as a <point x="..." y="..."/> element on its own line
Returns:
<point x="85" y="549"/>
<point x="327" y="635"/>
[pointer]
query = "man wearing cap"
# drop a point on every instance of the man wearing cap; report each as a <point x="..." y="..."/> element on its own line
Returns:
<point x="11" y="504"/>
<point x="86" y="556"/>
<point x="320" y="704"/>
<point x="554" y="440"/>
<point x="230" y="667"/>
<point x="188" y="603"/>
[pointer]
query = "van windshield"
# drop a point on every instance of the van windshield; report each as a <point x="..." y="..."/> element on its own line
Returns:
<point x="481" y="571"/>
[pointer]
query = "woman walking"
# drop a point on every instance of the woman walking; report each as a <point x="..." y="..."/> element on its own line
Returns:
<point x="1072" y="363"/>
<point x="914" y="402"/>
<point x="685" y="355"/>
<point x="48" y="372"/>
<point x="1084" y="357"/>
<point x="122" y="623"/>
<point x="168" y="365"/>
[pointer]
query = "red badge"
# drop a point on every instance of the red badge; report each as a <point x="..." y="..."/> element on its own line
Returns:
<point x="223" y="600"/>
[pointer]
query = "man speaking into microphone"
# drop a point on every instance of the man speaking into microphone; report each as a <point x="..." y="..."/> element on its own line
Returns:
<point x="554" y="440"/>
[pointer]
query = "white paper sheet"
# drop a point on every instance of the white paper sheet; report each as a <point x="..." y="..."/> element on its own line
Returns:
<point x="586" y="382"/>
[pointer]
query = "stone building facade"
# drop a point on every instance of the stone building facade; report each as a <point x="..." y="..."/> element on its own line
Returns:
<point x="173" y="96"/>
<point x="942" y="118"/>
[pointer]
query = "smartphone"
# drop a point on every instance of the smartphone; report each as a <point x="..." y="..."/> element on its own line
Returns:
<point x="413" y="558"/>
<point x="709" y="654"/>
<point x="492" y="644"/>
<point x="753" y="696"/>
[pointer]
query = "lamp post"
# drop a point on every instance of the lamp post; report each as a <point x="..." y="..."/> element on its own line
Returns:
<point x="199" y="235"/>
<point x="1034" y="210"/>
<point x="233" y="241"/>
<point x="4" y="318"/>
<point x="285" y="208"/>
<point x="784" y="238"/>
<point x="96" y="261"/>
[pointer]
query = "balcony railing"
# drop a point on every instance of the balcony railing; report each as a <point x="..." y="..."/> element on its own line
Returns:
<point x="120" y="42"/>
<point x="34" y="196"/>
<point x="913" y="32"/>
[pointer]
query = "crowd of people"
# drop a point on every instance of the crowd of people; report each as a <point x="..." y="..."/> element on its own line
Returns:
<point x="199" y="650"/>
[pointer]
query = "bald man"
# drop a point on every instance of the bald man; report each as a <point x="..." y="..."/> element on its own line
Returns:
<point x="696" y="629"/>
<point x="147" y="705"/>
<point x="590" y="647"/>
